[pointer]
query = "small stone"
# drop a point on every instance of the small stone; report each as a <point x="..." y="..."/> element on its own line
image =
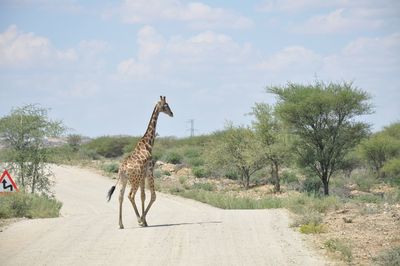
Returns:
<point x="347" y="220"/>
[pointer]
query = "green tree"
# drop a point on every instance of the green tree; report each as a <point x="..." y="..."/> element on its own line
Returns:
<point x="274" y="138"/>
<point x="111" y="146"/>
<point x="381" y="147"/>
<point x="322" y="115"/>
<point x="24" y="133"/>
<point x="74" y="141"/>
<point x="238" y="149"/>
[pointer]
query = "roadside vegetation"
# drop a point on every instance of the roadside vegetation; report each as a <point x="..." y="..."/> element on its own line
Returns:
<point x="24" y="134"/>
<point x="309" y="153"/>
<point x="27" y="205"/>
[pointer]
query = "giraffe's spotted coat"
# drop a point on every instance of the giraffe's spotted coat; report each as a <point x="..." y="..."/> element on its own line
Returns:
<point x="139" y="165"/>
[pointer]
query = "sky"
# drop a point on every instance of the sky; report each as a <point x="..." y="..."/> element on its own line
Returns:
<point x="100" y="66"/>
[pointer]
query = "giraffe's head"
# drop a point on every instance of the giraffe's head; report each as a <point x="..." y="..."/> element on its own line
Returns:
<point x="164" y="107"/>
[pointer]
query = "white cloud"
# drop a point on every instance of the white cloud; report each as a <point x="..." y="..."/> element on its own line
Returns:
<point x="196" y="14"/>
<point x="131" y="68"/>
<point x="150" y="43"/>
<point x="338" y="21"/>
<point x="157" y="56"/>
<point x="26" y="49"/>
<point x="366" y="59"/>
<point x="388" y="7"/>
<point x="336" y="16"/>
<point x="70" y="6"/>
<point x="292" y="58"/>
<point x="369" y="60"/>
<point x="293" y="6"/>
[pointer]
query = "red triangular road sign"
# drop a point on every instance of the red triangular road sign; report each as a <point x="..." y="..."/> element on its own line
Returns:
<point x="7" y="184"/>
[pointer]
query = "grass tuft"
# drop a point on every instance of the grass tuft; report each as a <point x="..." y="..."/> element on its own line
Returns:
<point x="340" y="246"/>
<point x="28" y="205"/>
<point x="312" y="228"/>
<point x="389" y="257"/>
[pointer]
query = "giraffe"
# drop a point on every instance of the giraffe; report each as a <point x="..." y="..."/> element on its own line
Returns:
<point x="138" y="166"/>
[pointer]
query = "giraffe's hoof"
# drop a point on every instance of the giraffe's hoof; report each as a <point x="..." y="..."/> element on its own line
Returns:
<point x="121" y="227"/>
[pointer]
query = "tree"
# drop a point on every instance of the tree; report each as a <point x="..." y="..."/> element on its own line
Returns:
<point x="381" y="147"/>
<point x="322" y="115"/>
<point x="237" y="148"/>
<point x="74" y="141"/>
<point x="274" y="138"/>
<point x="24" y="132"/>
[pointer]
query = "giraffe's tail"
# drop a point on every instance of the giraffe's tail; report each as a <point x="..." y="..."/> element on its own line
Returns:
<point x="110" y="192"/>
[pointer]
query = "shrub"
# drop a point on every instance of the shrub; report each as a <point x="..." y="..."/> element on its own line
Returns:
<point x="369" y="198"/>
<point x="232" y="175"/>
<point x="199" y="171"/>
<point x="167" y="173"/>
<point x="111" y="167"/>
<point x="173" y="157"/>
<point x="183" y="179"/>
<point x="341" y="246"/>
<point x="192" y="153"/>
<point x="389" y="257"/>
<point x="21" y="204"/>
<point x="303" y="203"/>
<point x="311" y="184"/>
<point x="289" y="177"/>
<point x="111" y="146"/>
<point x="197" y="161"/>
<point x="204" y="186"/>
<point x="391" y="169"/>
<point x="312" y="228"/>
<point x="392" y="197"/>
<point x="365" y="182"/>
<point x="157" y="173"/>
<point x="308" y="217"/>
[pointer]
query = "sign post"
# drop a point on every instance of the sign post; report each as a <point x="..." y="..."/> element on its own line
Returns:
<point x="7" y="184"/>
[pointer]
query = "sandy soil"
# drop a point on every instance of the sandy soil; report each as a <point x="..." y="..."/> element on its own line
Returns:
<point x="180" y="232"/>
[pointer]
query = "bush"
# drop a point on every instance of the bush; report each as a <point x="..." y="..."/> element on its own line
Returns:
<point x="183" y="179"/>
<point x="204" y="186"/>
<point x="392" y="197"/>
<point x="308" y="217"/>
<point x="312" y="184"/>
<point x="341" y="246"/>
<point x="365" y="182"/>
<point x="391" y="169"/>
<point x="199" y="171"/>
<point x="232" y="175"/>
<point x="157" y="173"/>
<point x="312" y="228"/>
<point x="289" y="177"/>
<point x="389" y="257"/>
<point x="197" y="161"/>
<point x="111" y="146"/>
<point x="173" y="157"/>
<point x="369" y="198"/>
<point x="111" y="167"/>
<point x="21" y="204"/>
<point x="304" y="203"/>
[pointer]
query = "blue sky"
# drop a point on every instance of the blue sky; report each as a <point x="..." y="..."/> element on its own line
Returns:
<point x="101" y="65"/>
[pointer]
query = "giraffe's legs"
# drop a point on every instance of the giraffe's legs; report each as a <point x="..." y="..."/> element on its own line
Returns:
<point x="121" y="199"/>
<point x="150" y="180"/>
<point x="143" y="199"/>
<point x="131" y="197"/>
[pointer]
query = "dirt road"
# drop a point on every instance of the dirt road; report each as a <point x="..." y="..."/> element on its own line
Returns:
<point x="180" y="232"/>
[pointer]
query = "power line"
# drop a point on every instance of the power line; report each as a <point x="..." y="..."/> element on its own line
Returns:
<point x="192" y="129"/>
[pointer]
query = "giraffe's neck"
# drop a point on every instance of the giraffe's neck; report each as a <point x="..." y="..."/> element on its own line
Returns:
<point x="150" y="134"/>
